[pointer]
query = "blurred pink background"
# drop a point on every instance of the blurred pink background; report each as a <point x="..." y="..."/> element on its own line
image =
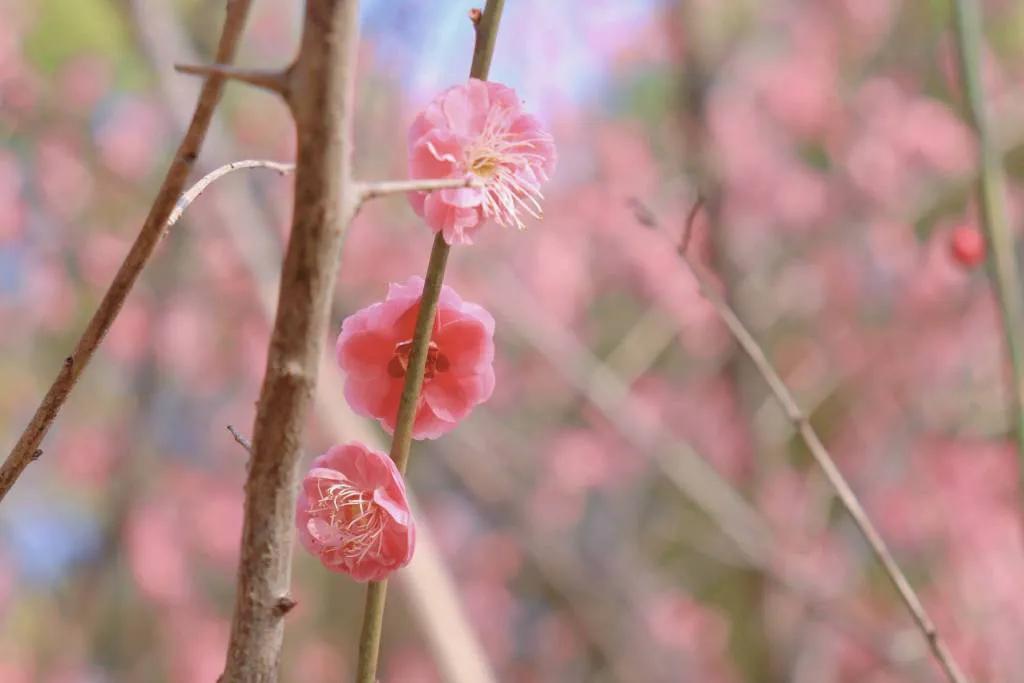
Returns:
<point x="828" y="139"/>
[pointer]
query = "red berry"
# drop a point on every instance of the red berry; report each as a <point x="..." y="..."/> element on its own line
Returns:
<point x="967" y="246"/>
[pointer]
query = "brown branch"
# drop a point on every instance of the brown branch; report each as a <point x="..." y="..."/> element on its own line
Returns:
<point x="320" y="96"/>
<point x="274" y="81"/>
<point x="27" y="448"/>
<point x="825" y="461"/>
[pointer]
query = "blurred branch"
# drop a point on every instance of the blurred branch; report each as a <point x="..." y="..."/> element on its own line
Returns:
<point x="274" y="81"/>
<point x="992" y="197"/>
<point x="484" y="473"/>
<point x="27" y="448"/>
<point x="683" y="466"/>
<point x="193" y="192"/>
<point x="427" y="581"/>
<point x="605" y="619"/>
<point x="824" y="460"/>
<point x="486" y="30"/>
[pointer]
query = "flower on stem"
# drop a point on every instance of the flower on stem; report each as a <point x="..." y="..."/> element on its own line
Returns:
<point x="353" y="514"/>
<point x="375" y="344"/>
<point x="479" y="130"/>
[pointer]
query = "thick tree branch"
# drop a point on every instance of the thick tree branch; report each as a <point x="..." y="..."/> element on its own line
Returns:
<point x="27" y="448"/>
<point x="821" y="456"/>
<point x="320" y="96"/>
<point x="486" y="27"/>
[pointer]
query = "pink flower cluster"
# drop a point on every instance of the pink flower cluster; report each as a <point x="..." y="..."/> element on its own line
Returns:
<point x="352" y="511"/>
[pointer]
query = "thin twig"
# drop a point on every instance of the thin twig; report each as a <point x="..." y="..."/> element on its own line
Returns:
<point x="372" y="190"/>
<point x="373" y="614"/>
<point x="241" y="440"/>
<point x="824" y="460"/>
<point x="274" y="81"/>
<point x="193" y="192"/>
<point x="992" y="199"/>
<point x="27" y="448"/>
<point x="321" y="103"/>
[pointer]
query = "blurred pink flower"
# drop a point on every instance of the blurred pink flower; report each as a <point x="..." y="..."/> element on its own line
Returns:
<point x="410" y="665"/>
<point x="65" y="181"/>
<point x="317" y="661"/>
<point x="216" y="519"/>
<point x="16" y="672"/>
<point x="13" y="210"/>
<point x="83" y="81"/>
<point x="157" y="554"/>
<point x="352" y="513"/>
<point x="374" y="347"/>
<point x="680" y="624"/>
<point x="580" y="461"/>
<point x="198" y="641"/>
<point x="86" y="455"/>
<point x="479" y="130"/>
<point x="129" y="138"/>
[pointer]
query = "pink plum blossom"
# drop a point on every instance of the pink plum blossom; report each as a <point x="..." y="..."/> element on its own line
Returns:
<point x="375" y="344"/>
<point x="479" y="131"/>
<point x="353" y="514"/>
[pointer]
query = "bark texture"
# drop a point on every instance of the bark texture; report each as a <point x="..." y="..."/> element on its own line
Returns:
<point x="319" y="91"/>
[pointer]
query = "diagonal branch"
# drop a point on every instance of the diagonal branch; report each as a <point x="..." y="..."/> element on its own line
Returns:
<point x="821" y="456"/>
<point x="27" y="448"/>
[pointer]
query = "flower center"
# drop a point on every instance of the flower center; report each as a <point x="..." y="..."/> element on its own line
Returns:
<point x="351" y="513"/>
<point x="484" y="166"/>
<point x="511" y="168"/>
<point x="399" y="363"/>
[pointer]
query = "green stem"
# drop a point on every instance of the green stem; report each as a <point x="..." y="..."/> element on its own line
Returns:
<point x="991" y="190"/>
<point x="376" y="591"/>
